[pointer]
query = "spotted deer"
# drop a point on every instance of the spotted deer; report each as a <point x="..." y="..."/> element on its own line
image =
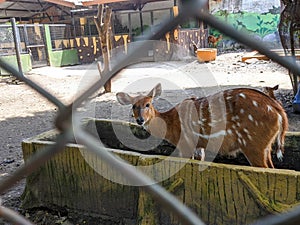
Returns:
<point x="270" y="91"/>
<point x="234" y="120"/>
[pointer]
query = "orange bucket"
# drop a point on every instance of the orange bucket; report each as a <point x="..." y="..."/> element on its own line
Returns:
<point x="206" y="54"/>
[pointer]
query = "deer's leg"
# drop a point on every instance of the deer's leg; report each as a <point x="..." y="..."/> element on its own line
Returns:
<point x="269" y="157"/>
<point x="186" y="149"/>
<point x="256" y="157"/>
<point x="199" y="154"/>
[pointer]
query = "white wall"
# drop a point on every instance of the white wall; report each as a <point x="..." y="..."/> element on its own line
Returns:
<point x="259" y="6"/>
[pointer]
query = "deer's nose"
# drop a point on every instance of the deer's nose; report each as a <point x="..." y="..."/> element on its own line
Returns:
<point x="140" y="121"/>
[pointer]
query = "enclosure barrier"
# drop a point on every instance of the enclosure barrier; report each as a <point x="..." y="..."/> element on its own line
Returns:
<point x="64" y="123"/>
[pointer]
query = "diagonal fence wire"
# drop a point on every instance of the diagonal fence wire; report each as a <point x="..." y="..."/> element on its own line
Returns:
<point x="13" y="217"/>
<point x="64" y="118"/>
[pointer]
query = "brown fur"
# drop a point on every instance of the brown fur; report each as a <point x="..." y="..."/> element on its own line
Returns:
<point x="234" y="120"/>
<point x="213" y="41"/>
<point x="270" y="91"/>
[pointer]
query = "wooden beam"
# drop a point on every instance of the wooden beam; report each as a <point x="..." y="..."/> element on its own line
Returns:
<point x="96" y="2"/>
<point x="257" y="55"/>
<point x="62" y="2"/>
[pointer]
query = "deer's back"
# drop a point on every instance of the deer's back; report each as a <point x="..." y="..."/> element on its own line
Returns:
<point x="241" y="117"/>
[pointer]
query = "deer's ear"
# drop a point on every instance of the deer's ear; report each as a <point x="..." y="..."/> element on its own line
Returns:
<point x="156" y="91"/>
<point x="276" y="87"/>
<point x="123" y="98"/>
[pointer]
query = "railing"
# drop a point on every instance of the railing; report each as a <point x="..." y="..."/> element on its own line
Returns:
<point x="66" y="127"/>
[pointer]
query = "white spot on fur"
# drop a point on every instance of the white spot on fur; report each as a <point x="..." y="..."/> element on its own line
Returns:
<point x="246" y="131"/>
<point x="242" y="111"/>
<point x="250" y="117"/>
<point x="240" y="141"/>
<point x="239" y="134"/>
<point x="269" y="108"/>
<point x="199" y="122"/>
<point x="244" y="142"/>
<point x="255" y="103"/>
<point x="235" y="118"/>
<point x="242" y="95"/>
<point x="229" y="131"/>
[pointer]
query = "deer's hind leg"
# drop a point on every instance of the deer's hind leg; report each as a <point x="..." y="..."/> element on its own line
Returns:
<point x="257" y="157"/>
<point x="269" y="157"/>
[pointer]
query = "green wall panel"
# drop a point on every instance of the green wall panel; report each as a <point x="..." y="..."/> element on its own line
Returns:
<point x="12" y="60"/>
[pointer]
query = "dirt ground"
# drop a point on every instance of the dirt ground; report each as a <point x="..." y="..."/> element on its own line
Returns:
<point x="24" y="113"/>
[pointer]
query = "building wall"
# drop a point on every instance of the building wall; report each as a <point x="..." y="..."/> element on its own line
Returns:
<point x="160" y="11"/>
<point x="258" y="18"/>
<point x="233" y="6"/>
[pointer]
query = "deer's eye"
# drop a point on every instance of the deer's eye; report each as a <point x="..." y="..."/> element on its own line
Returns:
<point x="134" y="107"/>
<point x="147" y="105"/>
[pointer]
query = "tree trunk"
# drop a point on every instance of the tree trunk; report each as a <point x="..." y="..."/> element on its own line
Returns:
<point x="103" y="24"/>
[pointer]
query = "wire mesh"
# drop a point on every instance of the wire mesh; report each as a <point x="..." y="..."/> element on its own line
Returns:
<point x="66" y="127"/>
<point x="61" y="35"/>
<point x="35" y="43"/>
<point x="6" y="40"/>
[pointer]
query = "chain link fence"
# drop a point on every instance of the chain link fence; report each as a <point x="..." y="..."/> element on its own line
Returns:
<point x="66" y="127"/>
<point x="7" y="46"/>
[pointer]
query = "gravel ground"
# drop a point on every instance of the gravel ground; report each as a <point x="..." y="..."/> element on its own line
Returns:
<point x="24" y="113"/>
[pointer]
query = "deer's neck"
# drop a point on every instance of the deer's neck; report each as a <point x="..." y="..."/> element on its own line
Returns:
<point x="165" y="125"/>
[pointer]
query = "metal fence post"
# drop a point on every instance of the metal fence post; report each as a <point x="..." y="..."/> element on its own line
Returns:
<point x="17" y="43"/>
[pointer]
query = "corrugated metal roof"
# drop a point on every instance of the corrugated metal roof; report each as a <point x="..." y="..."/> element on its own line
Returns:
<point x="23" y="8"/>
<point x="27" y="9"/>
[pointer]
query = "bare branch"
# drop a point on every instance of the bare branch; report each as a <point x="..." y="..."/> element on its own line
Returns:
<point x="13" y="217"/>
<point x="107" y="19"/>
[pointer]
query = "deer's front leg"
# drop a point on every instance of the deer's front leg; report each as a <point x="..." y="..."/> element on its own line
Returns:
<point x="199" y="154"/>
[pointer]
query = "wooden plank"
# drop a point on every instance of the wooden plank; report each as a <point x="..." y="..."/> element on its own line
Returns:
<point x="240" y="201"/>
<point x="205" y="196"/>
<point x="96" y="2"/>
<point x="257" y="55"/>
<point x="254" y="55"/>
<point x="221" y="196"/>
<point x="213" y="196"/>
<point x="292" y="190"/>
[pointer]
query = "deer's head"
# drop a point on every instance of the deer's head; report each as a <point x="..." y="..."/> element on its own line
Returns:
<point x="142" y="108"/>
<point x="270" y="91"/>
